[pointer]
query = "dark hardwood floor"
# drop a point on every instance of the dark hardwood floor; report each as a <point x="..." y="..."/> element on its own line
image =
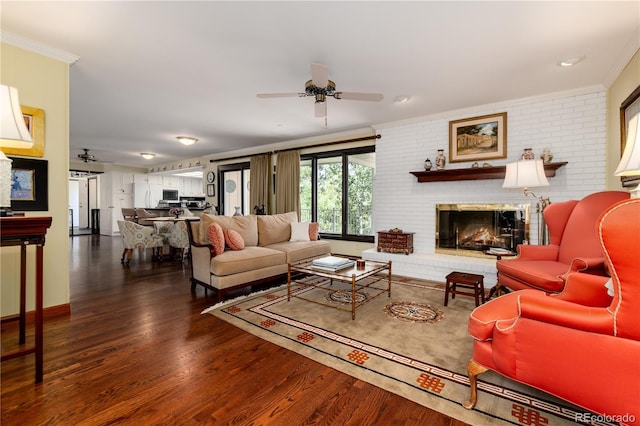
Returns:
<point x="136" y="350"/>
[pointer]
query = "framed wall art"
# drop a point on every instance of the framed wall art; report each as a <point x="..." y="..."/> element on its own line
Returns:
<point x="29" y="185"/>
<point x="211" y="190"/>
<point x="628" y="108"/>
<point x="478" y="138"/>
<point x="34" y="119"/>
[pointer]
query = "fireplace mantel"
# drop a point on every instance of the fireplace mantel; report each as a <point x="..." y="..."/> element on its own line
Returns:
<point x="476" y="173"/>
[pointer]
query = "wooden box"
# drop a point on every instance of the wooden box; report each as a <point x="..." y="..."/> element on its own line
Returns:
<point x="395" y="242"/>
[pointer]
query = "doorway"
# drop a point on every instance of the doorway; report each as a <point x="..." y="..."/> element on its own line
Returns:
<point x="83" y="199"/>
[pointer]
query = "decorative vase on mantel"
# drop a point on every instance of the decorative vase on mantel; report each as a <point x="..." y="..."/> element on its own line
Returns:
<point x="237" y="213"/>
<point x="441" y="160"/>
<point x="528" y="154"/>
<point x="427" y="165"/>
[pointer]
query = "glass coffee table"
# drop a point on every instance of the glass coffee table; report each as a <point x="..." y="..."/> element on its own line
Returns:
<point x="372" y="276"/>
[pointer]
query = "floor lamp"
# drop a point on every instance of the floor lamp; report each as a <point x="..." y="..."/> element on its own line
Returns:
<point x="525" y="174"/>
<point x="13" y="134"/>
<point x="630" y="161"/>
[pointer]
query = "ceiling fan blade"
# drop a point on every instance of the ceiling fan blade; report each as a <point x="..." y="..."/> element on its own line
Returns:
<point x="321" y="109"/>
<point x="281" y="95"/>
<point x="319" y="75"/>
<point x="356" y="96"/>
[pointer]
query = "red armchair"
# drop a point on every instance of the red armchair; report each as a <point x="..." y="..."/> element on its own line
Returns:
<point x="573" y="246"/>
<point x="587" y="353"/>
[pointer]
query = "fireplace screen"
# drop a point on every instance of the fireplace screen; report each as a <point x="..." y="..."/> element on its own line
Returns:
<point x="479" y="227"/>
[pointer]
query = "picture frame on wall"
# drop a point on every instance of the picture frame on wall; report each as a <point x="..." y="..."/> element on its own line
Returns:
<point x="628" y="108"/>
<point x="34" y="120"/>
<point x="478" y="138"/>
<point x="29" y="184"/>
<point x="211" y="190"/>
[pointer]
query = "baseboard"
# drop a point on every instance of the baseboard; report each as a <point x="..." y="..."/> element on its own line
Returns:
<point x="50" y="312"/>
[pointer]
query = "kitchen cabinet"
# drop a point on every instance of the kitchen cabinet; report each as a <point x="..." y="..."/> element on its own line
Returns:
<point x="170" y="182"/>
<point x="146" y="195"/>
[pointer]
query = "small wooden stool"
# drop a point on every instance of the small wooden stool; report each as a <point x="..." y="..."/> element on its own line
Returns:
<point x="466" y="280"/>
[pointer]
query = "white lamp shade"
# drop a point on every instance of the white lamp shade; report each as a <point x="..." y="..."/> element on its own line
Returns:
<point x="630" y="162"/>
<point x="13" y="130"/>
<point x="525" y="174"/>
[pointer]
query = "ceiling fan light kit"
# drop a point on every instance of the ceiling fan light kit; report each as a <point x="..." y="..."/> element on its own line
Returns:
<point x="86" y="157"/>
<point x="320" y="87"/>
<point x="186" y="140"/>
<point x="147" y="155"/>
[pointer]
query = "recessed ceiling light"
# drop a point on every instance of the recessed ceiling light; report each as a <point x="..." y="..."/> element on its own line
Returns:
<point x="571" y="61"/>
<point x="147" y="155"/>
<point x="186" y="140"/>
<point x="402" y="99"/>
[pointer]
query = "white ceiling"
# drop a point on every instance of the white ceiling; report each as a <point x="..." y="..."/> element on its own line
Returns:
<point x="149" y="71"/>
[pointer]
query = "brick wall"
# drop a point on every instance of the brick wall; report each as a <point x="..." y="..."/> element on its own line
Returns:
<point x="571" y="124"/>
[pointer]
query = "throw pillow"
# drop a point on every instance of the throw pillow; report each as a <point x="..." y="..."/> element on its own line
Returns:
<point x="216" y="236"/>
<point x="299" y="231"/>
<point x="314" y="229"/>
<point x="233" y="239"/>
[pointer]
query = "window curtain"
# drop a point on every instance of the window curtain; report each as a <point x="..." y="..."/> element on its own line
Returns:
<point x="259" y="182"/>
<point x="288" y="182"/>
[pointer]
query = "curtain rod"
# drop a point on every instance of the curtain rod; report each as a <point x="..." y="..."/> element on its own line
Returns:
<point x="364" y="138"/>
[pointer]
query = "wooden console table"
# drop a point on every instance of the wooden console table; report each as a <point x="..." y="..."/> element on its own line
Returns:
<point x="25" y="231"/>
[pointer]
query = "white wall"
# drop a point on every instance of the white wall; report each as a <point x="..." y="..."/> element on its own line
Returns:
<point x="571" y="124"/>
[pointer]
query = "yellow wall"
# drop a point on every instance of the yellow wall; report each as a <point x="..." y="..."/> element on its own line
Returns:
<point x="42" y="83"/>
<point x="627" y="82"/>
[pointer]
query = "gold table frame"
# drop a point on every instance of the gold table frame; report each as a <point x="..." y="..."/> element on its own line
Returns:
<point x="364" y="278"/>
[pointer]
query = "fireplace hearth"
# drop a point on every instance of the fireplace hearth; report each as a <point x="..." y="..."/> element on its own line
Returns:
<point x="469" y="229"/>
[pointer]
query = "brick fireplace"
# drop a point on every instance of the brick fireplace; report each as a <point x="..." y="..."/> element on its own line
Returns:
<point x="468" y="229"/>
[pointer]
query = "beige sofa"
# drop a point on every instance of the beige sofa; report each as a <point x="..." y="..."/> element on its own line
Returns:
<point x="265" y="255"/>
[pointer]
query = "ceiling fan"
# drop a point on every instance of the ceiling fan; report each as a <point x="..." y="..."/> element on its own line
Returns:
<point x="320" y="87"/>
<point x="86" y="157"/>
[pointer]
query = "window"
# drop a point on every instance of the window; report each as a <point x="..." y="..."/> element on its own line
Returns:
<point x="336" y="191"/>
<point x="234" y="189"/>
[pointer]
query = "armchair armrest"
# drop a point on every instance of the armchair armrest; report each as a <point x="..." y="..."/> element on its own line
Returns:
<point x="587" y="264"/>
<point x="585" y="289"/>
<point x="527" y="252"/>
<point x="541" y="307"/>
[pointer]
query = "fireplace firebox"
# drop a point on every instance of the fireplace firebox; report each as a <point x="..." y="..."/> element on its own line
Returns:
<point x="470" y="229"/>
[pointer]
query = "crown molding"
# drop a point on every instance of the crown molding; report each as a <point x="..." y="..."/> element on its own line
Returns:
<point x="628" y="51"/>
<point x="39" y="48"/>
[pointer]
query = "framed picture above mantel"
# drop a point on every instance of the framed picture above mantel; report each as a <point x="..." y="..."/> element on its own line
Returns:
<point x="478" y="138"/>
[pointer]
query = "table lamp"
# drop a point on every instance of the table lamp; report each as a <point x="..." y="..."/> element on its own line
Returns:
<point x="527" y="174"/>
<point x="13" y="134"/>
<point x="630" y="162"/>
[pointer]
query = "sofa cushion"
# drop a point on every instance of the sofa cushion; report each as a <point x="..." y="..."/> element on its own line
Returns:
<point x="300" y="231"/>
<point x="246" y="226"/>
<point x="233" y="239"/>
<point x="314" y="229"/>
<point x="216" y="236"/>
<point x="275" y="228"/>
<point x="300" y="250"/>
<point x="250" y="258"/>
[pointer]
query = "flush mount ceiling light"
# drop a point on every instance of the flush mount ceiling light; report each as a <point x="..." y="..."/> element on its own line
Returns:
<point x="147" y="155"/>
<point x="571" y="61"/>
<point x="186" y="140"/>
<point x="401" y="99"/>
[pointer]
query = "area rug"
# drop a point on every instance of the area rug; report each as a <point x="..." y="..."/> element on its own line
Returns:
<point x="409" y="344"/>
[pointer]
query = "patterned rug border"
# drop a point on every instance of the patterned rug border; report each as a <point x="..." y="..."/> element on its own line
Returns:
<point x="509" y="394"/>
